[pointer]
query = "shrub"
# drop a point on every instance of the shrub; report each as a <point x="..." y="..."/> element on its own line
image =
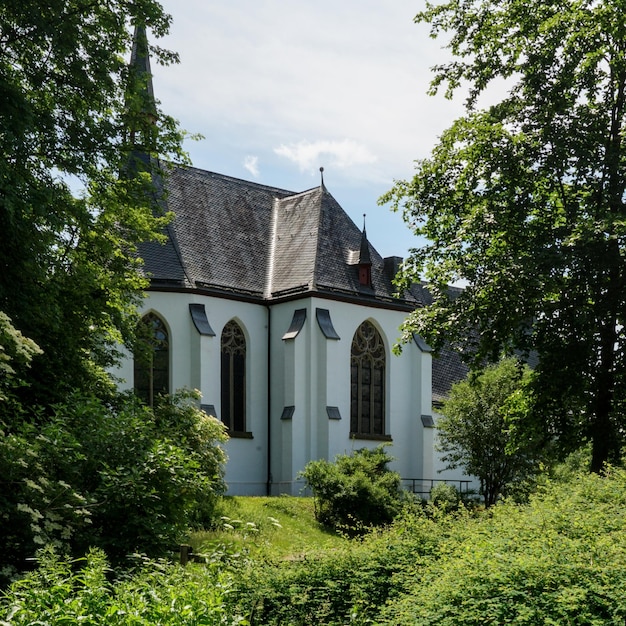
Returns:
<point x="445" y="497"/>
<point x="80" y="592"/>
<point x="123" y="478"/>
<point x="558" y="560"/>
<point x="355" y="492"/>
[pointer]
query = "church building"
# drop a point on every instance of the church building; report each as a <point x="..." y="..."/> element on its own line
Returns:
<point x="278" y="309"/>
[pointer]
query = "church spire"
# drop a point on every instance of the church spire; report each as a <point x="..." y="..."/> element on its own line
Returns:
<point x="140" y="65"/>
<point x="365" y="259"/>
<point x="141" y="107"/>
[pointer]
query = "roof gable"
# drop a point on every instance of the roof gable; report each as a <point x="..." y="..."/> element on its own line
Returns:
<point x="263" y="242"/>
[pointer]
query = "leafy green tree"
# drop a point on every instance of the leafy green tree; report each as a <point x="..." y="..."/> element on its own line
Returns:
<point x="69" y="278"/>
<point x="524" y="200"/>
<point x="475" y="433"/>
<point x="356" y="491"/>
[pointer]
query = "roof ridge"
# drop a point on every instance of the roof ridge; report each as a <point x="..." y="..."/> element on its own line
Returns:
<point x="271" y="255"/>
<point x="235" y="179"/>
<point x="320" y="217"/>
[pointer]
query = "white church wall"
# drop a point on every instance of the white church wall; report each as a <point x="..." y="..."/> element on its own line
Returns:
<point x="314" y="372"/>
<point x="308" y="372"/>
<point x="195" y="363"/>
<point x="291" y="376"/>
<point x="405" y="395"/>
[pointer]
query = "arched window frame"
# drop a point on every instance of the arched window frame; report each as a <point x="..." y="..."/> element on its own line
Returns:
<point x="151" y="363"/>
<point x="368" y="383"/>
<point x="233" y="376"/>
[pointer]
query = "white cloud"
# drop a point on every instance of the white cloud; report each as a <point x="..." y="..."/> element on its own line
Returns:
<point x="251" y="163"/>
<point x="311" y="155"/>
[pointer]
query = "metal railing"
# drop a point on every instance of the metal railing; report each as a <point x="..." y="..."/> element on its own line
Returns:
<point x="423" y="486"/>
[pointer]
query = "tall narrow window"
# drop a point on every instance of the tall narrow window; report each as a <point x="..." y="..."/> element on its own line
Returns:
<point x="152" y="359"/>
<point x="233" y="411"/>
<point x="367" y="382"/>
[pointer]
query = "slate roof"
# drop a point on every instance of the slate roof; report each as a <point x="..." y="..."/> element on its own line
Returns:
<point x="448" y="365"/>
<point x="448" y="368"/>
<point x="261" y="242"/>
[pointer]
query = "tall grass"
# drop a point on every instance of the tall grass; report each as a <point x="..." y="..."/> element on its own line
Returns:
<point x="281" y="527"/>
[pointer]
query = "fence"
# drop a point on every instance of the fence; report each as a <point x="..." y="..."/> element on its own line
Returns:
<point x="423" y="486"/>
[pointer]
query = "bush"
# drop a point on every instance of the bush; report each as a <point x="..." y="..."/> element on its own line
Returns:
<point x="558" y="560"/>
<point x="123" y="478"/>
<point x="81" y="592"/>
<point x="355" y="492"/>
<point x="445" y="497"/>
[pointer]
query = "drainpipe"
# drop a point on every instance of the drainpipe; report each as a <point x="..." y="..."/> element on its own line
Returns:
<point x="269" y="401"/>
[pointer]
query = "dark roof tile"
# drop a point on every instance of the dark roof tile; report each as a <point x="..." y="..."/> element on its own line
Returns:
<point x="236" y="235"/>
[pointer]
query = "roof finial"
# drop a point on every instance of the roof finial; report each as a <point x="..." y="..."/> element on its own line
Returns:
<point x="322" y="175"/>
<point x="364" y="254"/>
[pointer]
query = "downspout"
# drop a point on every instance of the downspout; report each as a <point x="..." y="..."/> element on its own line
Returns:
<point x="269" y="401"/>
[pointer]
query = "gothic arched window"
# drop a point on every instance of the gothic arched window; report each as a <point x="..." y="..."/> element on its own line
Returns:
<point x="152" y="359"/>
<point x="233" y="378"/>
<point x="367" y="382"/>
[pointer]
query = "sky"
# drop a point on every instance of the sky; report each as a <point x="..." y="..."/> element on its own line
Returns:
<point x="280" y="88"/>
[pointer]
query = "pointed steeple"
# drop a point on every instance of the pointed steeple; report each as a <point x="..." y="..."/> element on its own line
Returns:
<point x="141" y="110"/>
<point x="141" y="74"/>
<point x="365" y="260"/>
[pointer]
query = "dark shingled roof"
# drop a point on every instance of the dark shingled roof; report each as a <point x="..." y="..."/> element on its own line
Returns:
<point x="448" y="365"/>
<point x="231" y="235"/>
<point x="448" y="368"/>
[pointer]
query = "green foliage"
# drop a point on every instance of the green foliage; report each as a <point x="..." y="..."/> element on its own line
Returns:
<point x="81" y="592"/>
<point x="69" y="275"/>
<point x="475" y="430"/>
<point x="15" y="350"/>
<point x="445" y="497"/>
<point x="16" y="354"/>
<point x="559" y="560"/>
<point x="331" y="589"/>
<point x="124" y="478"/>
<point x="355" y="492"/>
<point x="348" y="583"/>
<point x="524" y="203"/>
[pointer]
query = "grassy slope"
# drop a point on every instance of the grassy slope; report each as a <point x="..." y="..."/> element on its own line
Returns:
<point x="284" y="527"/>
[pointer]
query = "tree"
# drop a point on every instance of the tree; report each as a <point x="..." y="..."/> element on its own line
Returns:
<point x="69" y="278"/>
<point x="524" y="200"/>
<point x="474" y="432"/>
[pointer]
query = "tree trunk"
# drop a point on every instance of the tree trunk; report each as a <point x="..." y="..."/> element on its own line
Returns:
<point x="605" y="444"/>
